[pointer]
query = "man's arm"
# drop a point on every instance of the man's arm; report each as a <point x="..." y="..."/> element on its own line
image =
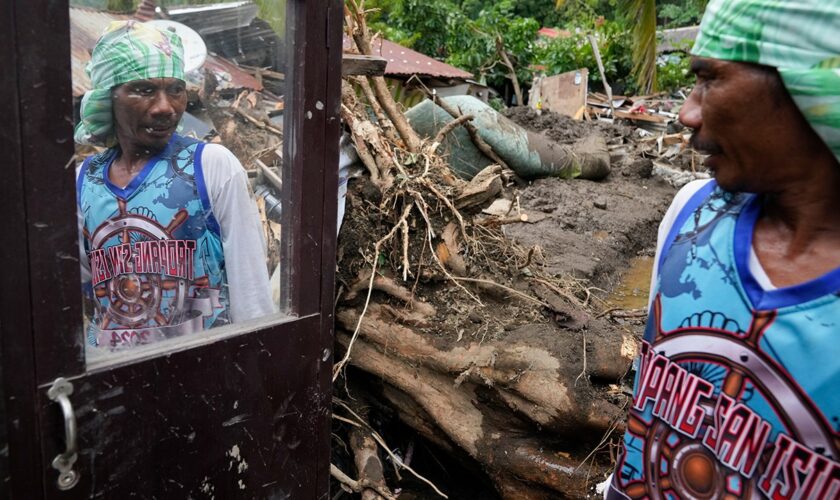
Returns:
<point x="233" y="205"/>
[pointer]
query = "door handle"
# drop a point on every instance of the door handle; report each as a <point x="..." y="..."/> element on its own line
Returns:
<point x="60" y="392"/>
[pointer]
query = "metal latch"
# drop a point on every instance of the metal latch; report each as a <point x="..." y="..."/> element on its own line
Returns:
<point x="60" y="392"/>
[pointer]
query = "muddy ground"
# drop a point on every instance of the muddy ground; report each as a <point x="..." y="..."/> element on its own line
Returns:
<point x="588" y="233"/>
<point x="592" y="229"/>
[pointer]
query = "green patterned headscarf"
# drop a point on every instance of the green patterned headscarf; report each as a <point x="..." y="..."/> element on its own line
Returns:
<point x="801" y="38"/>
<point x="127" y="51"/>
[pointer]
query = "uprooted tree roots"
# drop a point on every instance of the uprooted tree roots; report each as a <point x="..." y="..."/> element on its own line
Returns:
<point x="476" y="349"/>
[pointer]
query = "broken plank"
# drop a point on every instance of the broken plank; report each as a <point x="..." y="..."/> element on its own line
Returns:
<point x="269" y="174"/>
<point x="565" y="93"/>
<point x="263" y="72"/>
<point x="667" y="140"/>
<point x="640" y="117"/>
<point x="360" y="65"/>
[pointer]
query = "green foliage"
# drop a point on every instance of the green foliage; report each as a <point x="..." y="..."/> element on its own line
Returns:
<point x="614" y="43"/>
<point x="474" y="45"/>
<point x="545" y="12"/>
<point x="496" y="103"/>
<point x="675" y="72"/>
<point x="642" y="17"/>
<point x="681" y="13"/>
<point x="574" y="14"/>
<point x="464" y="33"/>
<point x="120" y="5"/>
<point x="423" y="25"/>
<point x="274" y="13"/>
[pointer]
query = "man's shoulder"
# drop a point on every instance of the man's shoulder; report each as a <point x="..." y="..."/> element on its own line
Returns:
<point x="692" y="188"/>
<point x="217" y="151"/>
<point x="97" y="160"/>
<point x="216" y="158"/>
<point x="689" y="192"/>
<point x="218" y="166"/>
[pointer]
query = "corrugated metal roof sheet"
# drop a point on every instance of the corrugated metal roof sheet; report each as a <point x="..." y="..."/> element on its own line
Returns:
<point x="215" y="18"/>
<point x="229" y="75"/>
<point x="86" y="25"/>
<point x="403" y="61"/>
<point x="146" y="10"/>
<point x="554" y="32"/>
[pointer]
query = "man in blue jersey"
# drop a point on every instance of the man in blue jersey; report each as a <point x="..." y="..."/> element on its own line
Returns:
<point x="172" y="241"/>
<point x="737" y="392"/>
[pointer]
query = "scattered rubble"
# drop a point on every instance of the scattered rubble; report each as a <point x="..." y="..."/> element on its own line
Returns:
<point x="476" y="313"/>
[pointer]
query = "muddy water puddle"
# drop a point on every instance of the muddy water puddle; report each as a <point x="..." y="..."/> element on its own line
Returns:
<point x="633" y="286"/>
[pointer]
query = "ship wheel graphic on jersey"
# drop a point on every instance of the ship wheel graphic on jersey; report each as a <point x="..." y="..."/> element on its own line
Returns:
<point x="135" y="299"/>
<point x="680" y="467"/>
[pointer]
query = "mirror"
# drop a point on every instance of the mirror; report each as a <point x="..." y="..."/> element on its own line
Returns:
<point x="179" y="112"/>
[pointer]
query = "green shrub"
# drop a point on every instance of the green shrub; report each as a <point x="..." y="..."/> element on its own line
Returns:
<point x="674" y="72"/>
<point x="614" y="42"/>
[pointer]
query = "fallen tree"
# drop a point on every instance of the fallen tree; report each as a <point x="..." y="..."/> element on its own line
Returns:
<point x="475" y="348"/>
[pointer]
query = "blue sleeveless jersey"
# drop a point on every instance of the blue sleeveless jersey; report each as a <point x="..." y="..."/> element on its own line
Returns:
<point x="154" y="248"/>
<point x="737" y="394"/>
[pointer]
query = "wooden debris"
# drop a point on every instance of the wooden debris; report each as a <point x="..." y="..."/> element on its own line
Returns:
<point x="356" y="21"/>
<point x="361" y="486"/>
<point x="253" y="113"/>
<point x="668" y="139"/>
<point x="485" y="186"/>
<point x="269" y="174"/>
<point x="451" y="250"/>
<point x="640" y="116"/>
<point x="499" y="207"/>
<point x="362" y="65"/>
<point x="490" y="397"/>
<point x="594" y="43"/>
<point x="565" y="93"/>
<point x="259" y="73"/>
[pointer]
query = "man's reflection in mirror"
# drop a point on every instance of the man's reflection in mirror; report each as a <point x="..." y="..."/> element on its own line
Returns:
<point x="171" y="239"/>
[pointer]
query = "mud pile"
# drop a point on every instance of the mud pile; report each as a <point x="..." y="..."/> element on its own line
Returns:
<point x="488" y="333"/>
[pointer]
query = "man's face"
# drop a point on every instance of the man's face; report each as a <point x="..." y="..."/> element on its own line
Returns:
<point x="745" y="120"/>
<point x="146" y="112"/>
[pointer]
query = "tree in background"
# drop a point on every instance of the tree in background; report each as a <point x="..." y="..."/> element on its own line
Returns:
<point x="120" y="5"/>
<point x="496" y="46"/>
<point x="579" y="13"/>
<point x="274" y="13"/>
<point x="423" y="25"/>
<point x="642" y="15"/>
<point x="498" y="42"/>
<point x="490" y="41"/>
<point x="563" y="54"/>
<point x="681" y="13"/>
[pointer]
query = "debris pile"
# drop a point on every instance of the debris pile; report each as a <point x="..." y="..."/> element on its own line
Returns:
<point x="454" y="314"/>
<point x="471" y="301"/>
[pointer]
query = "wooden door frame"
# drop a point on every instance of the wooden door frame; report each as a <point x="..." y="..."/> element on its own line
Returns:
<point x="39" y="287"/>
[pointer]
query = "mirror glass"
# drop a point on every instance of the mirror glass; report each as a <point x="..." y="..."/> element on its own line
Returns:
<point x="179" y="109"/>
